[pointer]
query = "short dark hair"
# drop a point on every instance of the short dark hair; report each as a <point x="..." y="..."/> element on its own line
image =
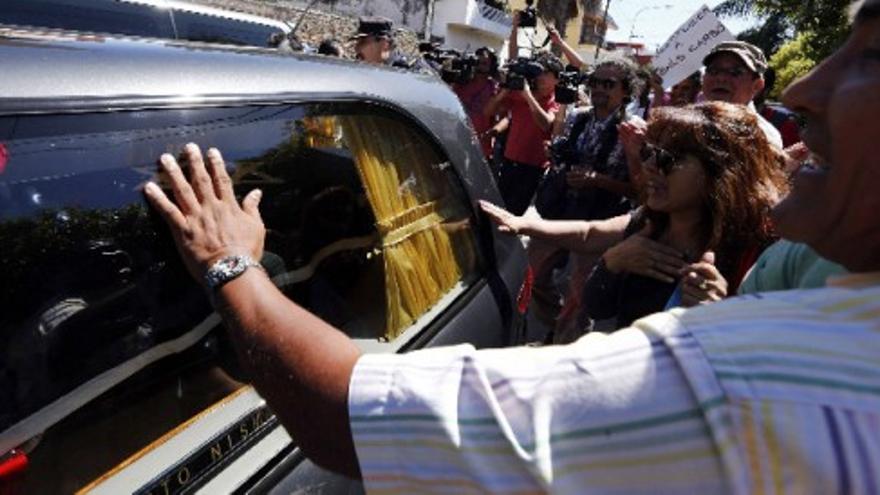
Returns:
<point x="550" y="63"/>
<point x="329" y="46"/>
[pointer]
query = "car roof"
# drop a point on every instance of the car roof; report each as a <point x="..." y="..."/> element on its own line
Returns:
<point x="66" y="70"/>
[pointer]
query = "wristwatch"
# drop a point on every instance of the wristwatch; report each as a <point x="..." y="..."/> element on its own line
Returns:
<point x="228" y="268"/>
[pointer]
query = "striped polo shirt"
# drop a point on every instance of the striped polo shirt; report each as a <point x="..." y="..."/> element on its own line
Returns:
<point x="767" y="393"/>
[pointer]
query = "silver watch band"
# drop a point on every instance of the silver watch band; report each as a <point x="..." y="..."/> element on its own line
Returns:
<point x="228" y="268"/>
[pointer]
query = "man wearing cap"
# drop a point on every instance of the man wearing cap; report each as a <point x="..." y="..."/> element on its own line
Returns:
<point x="735" y="74"/>
<point x="374" y="42"/>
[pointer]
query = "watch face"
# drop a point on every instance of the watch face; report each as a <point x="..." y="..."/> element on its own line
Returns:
<point x="225" y="269"/>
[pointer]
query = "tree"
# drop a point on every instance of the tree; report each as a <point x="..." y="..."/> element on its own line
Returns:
<point x="790" y="62"/>
<point x="826" y="20"/>
<point x="558" y="12"/>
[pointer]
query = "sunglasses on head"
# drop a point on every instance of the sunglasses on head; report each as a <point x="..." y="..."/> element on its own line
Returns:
<point x="663" y="159"/>
<point x="734" y="72"/>
<point x="595" y="82"/>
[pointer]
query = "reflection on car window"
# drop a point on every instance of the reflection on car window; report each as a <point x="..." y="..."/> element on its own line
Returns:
<point x="98" y="16"/>
<point x="366" y="226"/>
<point x="199" y="27"/>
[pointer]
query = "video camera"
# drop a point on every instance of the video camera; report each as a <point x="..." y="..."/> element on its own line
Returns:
<point x="520" y="70"/>
<point x="453" y="66"/>
<point x="567" y="87"/>
<point x="528" y="17"/>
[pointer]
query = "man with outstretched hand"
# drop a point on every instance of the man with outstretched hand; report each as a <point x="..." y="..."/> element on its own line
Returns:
<point x="774" y="392"/>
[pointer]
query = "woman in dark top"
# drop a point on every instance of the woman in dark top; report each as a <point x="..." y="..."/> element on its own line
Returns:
<point x="710" y="178"/>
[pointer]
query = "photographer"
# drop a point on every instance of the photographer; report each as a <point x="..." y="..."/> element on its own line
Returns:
<point x="590" y="181"/>
<point x="531" y="111"/>
<point x="476" y="92"/>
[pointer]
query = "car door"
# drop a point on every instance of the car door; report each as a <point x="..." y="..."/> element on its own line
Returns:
<point x="114" y="371"/>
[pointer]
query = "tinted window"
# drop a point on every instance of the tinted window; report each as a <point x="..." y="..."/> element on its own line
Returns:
<point x="201" y="27"/>
<point x="367" y="227"/>
<point x="99" y="16"/>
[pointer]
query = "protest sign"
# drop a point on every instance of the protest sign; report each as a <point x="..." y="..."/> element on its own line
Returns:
<point x="683" y="52"/>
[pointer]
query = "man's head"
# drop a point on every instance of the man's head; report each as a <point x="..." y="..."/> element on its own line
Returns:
<point x="833" y="205"/>
<point x="685" y="92"/>
<point x="373" y="42"/>
<point x="734" y="72"/>
<point x="545" y="83"/>
<point x="487" y="61"/>
<point x="611" y="83"/>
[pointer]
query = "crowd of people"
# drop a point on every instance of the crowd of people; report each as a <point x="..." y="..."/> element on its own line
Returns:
<point x="649" y="202"/>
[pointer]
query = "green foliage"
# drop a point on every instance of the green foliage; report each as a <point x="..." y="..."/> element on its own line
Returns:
<point x="793" y="60"/>
<point x="770" y="35"/>
<point x="826" y="20"/>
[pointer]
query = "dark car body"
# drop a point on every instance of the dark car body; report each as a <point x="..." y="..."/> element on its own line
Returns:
<point x="115" y="374"/>
<point x="146" y="18"/>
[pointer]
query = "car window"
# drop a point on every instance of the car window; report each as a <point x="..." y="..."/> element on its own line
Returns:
<point x="102" y="333"/>
<point x="214" y="29"/>
<point x="98" y="16"/>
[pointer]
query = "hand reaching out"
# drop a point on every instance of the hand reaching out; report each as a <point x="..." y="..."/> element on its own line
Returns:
<point x="506" y="221"/>
<point x="207" y="222"/>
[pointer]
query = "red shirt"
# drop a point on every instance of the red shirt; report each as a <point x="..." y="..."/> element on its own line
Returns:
<point x="525" y="140"/>
<point x="474" y="96"/>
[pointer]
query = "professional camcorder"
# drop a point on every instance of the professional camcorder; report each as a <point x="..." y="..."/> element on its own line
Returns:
<point x="567" y="87"/>
<point x="528" y="17"/>
<point x="453" y="66"/>
<point x="520" y="70"/>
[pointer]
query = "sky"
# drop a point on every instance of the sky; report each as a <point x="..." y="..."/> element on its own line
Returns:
<point x="656" y="20"/>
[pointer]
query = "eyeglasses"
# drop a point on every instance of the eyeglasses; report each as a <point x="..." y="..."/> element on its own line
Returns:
<point x="595" y="82"/>
<point x="734" y="72"/>
<point x="663" y="160"/>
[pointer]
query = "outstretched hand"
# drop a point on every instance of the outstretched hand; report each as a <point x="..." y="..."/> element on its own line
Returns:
<point x="506" y="221"/>
<point x="207" y="222"/>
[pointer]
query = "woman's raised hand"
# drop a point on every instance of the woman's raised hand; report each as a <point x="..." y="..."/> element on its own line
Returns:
<point x="506" y="221"/>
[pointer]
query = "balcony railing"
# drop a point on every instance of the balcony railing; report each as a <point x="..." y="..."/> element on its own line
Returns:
<point x="493" y="14"/>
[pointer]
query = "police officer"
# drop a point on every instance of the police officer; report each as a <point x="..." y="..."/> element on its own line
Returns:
<point x="374" y="43"/>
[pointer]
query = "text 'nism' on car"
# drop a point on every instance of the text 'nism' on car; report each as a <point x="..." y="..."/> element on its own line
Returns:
<point x="115" y="375"/>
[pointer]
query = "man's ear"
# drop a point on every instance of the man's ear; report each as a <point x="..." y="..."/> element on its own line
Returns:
<point x="757" y="86"/>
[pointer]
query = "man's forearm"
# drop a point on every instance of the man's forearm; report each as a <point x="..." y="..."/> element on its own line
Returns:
<point x="301" y="365"/>
<point x="542" y="118"/>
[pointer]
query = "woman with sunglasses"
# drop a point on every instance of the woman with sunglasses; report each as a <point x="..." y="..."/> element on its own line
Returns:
<point x="709" y="179"/>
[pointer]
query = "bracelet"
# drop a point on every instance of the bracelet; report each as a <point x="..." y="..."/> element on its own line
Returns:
<point x="226" y="269"/>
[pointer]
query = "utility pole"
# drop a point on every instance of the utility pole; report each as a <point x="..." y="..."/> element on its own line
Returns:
<point x="604" y="29"/>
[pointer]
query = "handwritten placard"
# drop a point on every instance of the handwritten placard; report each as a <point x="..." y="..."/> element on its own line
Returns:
<point x="683" y="52"/>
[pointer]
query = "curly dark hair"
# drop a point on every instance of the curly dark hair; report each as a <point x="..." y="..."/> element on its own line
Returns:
<point x="632" y="83"/>
<point x="744" y="174"/>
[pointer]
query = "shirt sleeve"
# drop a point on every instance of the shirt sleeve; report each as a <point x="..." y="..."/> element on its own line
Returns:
<point x="608" y="413"/>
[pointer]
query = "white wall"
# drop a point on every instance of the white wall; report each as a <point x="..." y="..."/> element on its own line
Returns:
<point x="464" y="38"/>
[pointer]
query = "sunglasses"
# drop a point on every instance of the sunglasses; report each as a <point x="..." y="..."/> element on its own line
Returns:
<point x="663" y="160"/>
<point x="595" y="82"/>
<point x="734" y="72"/>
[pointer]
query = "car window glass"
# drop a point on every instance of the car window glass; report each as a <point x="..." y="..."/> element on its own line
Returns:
<point x="214" y="29"/>
<point x="99" y="16"/>
<point x="367" y="226"/>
